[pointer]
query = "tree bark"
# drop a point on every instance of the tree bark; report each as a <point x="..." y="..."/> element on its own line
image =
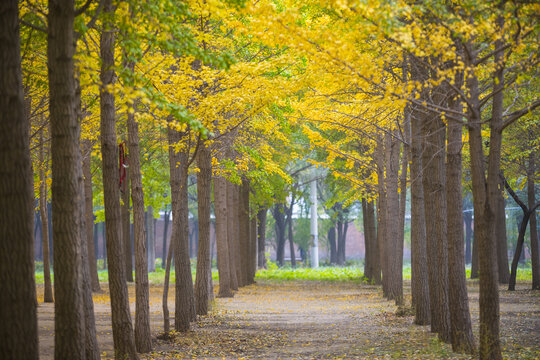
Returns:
<point x="381" y="213"/>
<point x="252" y="248"/>
<point x="89" y="213"/>
<point x="143" y="339"/>
<point x="500" y="233"/>
<point x="235" y="223"/>
<point x="185" y="299"/>
<point x="231" y="238"/>
<point x="460" y="319"/>
<point x="290" y="232"/>
<point x="467" y="219"/>
<point x="332" y="242"/>
<point x="166" y="217"/>
<point x="419" y="260"/>
<point x="18" y="303"/>
<point x="164" y="301"/>
<point x="261" y="238"/>
<point x="279" y="217"/>
<point x="370" y="234"/>
<point x="48" y="293"/>
<point x="151" y="239"/>
<point x="126" y="227"/>
<point x="531" y="196"/>
<point x="124" y="344"/>
<point x="243" y="220"/>
<point x="204" y="270"/>
<point x="220" y="210"/>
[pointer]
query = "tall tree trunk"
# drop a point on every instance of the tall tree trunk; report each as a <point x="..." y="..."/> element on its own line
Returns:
<point x="381" y="213"/>
<point x="124" y="344"/>
<point x="235" y="208"/>
<point x="66" y="201"/>
<point x="290" y="232"/>
<point x="261" y="238"/>
<point x="419" y="259"/>
<point x="166" y="216"/>
<point x="204" y="267"/>
<point x="467" y="219"/>
<point x="18" y="303"/>
<point x="375" y="265"/>
<point x="220" y="210"/>
<point x="185" y="299"/>
<point x="531" y="196"/>
<point x="89" y="214"/>
<point x="332" y="242"/>
<point x="252" y="248"/>
<point x="500" y="233"/>
<point x="434" y="182"/>
<point x="48" y="293"/>
<point x="474" y="255"/>
<point x="143" y="339"/>
<point x="231" y="238"/>
<point x="394" y="262"/>
<point x="164" y="300"/>
<point x="483" y="190"/>
<point x="279" y="218"/>
<point x="126" y="227"/>
<point x="151" y="239"/>
<point x="460" y="319"/>
<point x="243" y="220"/>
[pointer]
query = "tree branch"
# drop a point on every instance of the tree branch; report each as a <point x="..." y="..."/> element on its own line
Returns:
<point x="512" y="117"/>
<point x="513" y="194"/>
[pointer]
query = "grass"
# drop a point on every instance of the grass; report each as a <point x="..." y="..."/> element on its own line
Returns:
<point x="352" y="272"/>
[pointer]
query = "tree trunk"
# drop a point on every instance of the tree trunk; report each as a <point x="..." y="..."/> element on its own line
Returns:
<point x="460" y="319"/>
<point x="243" y="220"/>
<point x="370" y="234"/>
<point x="381" y="213"/>
<point x="332" y="242"/>
<point x="467" y="219"/>
<point x="484" y="223"/>
<point x="204" y="267"/>
<point x="235" y="221"/>
<point x="48" y="293"/>
<point x="279" y="217"/>
<point x="252" y="249"/>
<point x="290" y="232"/>
<point x="151" y="239"/>
<point x="434" y="182"/>
<point x="220" y="210"/>
<point x="261" y="238"/>
<point x="231" y="238"/>
<point x="124" y="344"/>
<point x="394" y="262"/>
<point x="89" y="213"/>
<point x="18" y="303"/>
<point x="531" y="196"/>
<point x="500" y="233"/>
<point x="166" y="217"/>
<point x="184" y="300"/>
<point x="143" y="339"/>
<point x="164" y="300"/>
<point x="126" y="228"/>
<point x="419" y="260"/>
<point x="474" y="256"/>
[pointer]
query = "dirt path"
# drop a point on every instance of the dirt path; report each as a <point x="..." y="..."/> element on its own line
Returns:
<point x="310" y="320"/>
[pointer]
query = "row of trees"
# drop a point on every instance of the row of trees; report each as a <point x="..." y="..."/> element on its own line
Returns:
<point x="246" y="98"/>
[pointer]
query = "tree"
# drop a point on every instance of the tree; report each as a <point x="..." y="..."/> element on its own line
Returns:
<point x="124" y="344"/>
<point x="18" y="302"/>
<point x="220" y="211"/>
<point x="47" y="293"/>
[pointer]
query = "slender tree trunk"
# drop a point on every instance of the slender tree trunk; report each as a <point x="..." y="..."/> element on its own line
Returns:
<point x="166" y="217"/>
<point x="500" y="233"/>
<point x="394" y="263"/>
<point x="279" y="218"/>
<point x="126" y="228"/>
<point x="220" y="210"/>
<point x="381" y="214"/>
<point x="204" y="267"/>
<point x="290" y="233"/>
<point x="261" y="238"/>
<point x="484" y="224"/>
<point x="375" y="266"/>
<point x="332" y="242"/>
<point x="151" y="239"/>
<point x="124" y="344"/>
<point x="231" y="238"/>
<point x="252" y="249"/>
<point x="467" y="219"/>
<point x="185" y="299"/>
<point x="143" y="339"/>
<point x="89" y="213"/>
<point x="243" y="219"/>
<point x="460" y="319"/>
<point x="48" y="293"/>
<point x="18" y="303"/>
<point x="237" y="235"/>
<point x="531" y="196"/>
<point x="474" y="259"/>
<point x="164" y="301"/>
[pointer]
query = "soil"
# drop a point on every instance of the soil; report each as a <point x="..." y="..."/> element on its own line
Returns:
<point x="311" y="320"/>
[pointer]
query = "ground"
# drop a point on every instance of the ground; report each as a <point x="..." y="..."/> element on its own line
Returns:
<point x="311" y="320"/>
